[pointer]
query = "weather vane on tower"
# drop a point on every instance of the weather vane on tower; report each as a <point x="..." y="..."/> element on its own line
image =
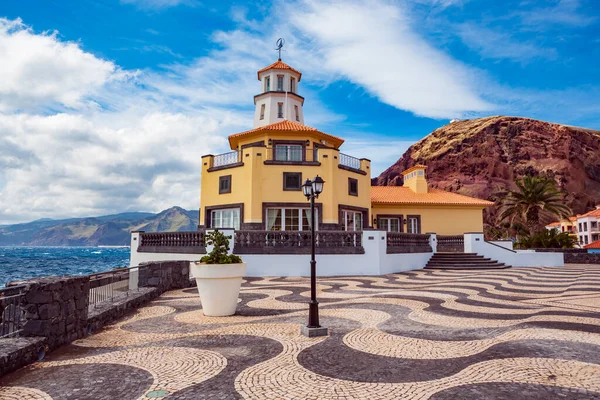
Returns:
<point x="278" y="45"/>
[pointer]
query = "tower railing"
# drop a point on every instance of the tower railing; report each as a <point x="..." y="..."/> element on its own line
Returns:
<point x="349" y="161"/>
<point x="233" y="157"/>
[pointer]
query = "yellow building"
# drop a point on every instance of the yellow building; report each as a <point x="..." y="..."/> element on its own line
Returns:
<point x="258" y="185"/>
<point x="416" y="208"/>
<point x="566" y="225"/>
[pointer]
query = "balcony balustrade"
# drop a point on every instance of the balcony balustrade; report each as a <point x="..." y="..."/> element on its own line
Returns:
<point x="349" y="161"/>
<point x="407" y="243"/>
<point x="233" y="157"/>
<point x="451" y="243"/>
<point x="297" y="242"/>
<point x="172" y="242"/>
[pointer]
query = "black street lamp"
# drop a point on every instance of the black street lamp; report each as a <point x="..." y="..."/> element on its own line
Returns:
<point x="312" y="190"/>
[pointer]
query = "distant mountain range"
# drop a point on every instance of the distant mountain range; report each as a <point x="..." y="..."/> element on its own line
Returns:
<point x="106" y="230"/>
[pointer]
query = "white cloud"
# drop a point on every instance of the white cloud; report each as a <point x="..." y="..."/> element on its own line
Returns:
<point x="569" y="13"/>
<point x="501" y="45"/>
<point x="40" y="69"/>
<point x="372" y="44"/>
<point x="68" y="165"/>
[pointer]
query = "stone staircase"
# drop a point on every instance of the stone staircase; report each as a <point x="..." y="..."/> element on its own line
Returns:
<point x="462" y="261"/>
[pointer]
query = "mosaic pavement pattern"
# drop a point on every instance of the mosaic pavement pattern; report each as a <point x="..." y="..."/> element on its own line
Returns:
<point x="506" y="334"/>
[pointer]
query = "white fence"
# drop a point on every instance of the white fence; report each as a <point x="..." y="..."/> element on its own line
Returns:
<point x="374" y="261"/>
<point x="475" y="243"/>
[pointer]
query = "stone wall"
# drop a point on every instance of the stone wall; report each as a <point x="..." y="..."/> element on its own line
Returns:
<point x="20" y="351"/>
<point x="165" y="275"/>
<point x="575" y="256"/>
<point x="57" y="312"/>
<point x="56" y="308"/>
<point x="582" y="258"/>
<point x="561" y="250"/>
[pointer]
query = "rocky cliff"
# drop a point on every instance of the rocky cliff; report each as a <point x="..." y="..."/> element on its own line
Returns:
<point x="483" y="157"/>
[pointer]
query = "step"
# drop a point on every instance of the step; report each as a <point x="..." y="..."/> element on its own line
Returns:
<point x="458" y="264"/>
<point x="442" y="253"/>
<point x="466" y="266"/>
<point x="479" y="267"/>
<point x="458" y="257"/>
<point x="453" y="260"/>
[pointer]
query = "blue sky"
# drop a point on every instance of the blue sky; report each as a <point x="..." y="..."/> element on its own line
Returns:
<point x="110" y="103"/>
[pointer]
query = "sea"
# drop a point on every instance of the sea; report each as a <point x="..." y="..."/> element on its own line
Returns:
<point x="21" y="262"/>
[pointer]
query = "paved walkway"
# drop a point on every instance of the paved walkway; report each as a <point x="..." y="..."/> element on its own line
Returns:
<point x="510" y="334"/>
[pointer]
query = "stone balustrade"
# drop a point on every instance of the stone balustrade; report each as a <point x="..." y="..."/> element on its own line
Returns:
<point x="172" y="242"/>
<point x="451" y="243"/>
<point x="297" y="242"/>
<point x="398" y="242"/>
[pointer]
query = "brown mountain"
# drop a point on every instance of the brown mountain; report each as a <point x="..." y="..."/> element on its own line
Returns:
<point x="483" y="157"/>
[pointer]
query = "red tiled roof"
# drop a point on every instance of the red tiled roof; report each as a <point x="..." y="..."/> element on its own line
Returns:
<point x="404" y="195"/>
<point x="593" y="245"/>
<point x="279" y="65"/>
<point x="593" y="213"/>
<point x="554" y="224"/>
<point x="290" y="126"/>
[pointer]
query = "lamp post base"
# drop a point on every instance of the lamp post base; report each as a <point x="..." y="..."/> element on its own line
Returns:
<point x="314" y="332"/>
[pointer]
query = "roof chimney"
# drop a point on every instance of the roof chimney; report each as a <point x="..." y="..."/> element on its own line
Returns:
<point x="415" y="179"/>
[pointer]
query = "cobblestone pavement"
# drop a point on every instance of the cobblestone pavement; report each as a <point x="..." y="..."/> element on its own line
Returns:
<point x="530" y="333"/>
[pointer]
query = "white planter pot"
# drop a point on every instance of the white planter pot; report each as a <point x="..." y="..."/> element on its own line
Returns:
<point x="218" y="286"/>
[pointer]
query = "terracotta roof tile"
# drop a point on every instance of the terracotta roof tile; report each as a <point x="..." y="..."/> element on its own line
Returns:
<point x="554" y="224"/>
<point x="404" y="195"/>
<point x="290" y="126"/>
<point x="573" y="218"/>
<point x="279" y="65"/>
<point x="593" y="213"/>
<point x="593" y="245"/>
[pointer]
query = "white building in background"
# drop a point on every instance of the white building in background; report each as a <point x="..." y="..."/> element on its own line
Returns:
<point x="588" y="226"/>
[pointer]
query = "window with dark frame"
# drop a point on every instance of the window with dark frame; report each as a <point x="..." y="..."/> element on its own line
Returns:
<point x="292" y="181"/>
<point x="289" y="152"/>
<point x="279" y="110"/>
<point x="280" y="83"/>
<point x="262" y="111"/>
<point x="413" y="223"/>
<point x="353" y="187"/>
<point x="225" y="184"/>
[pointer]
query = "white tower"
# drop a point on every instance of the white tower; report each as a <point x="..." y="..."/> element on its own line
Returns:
<point x="279" y="99"/>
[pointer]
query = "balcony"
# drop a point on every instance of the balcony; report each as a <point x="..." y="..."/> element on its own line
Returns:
<point x="287" y="154"/>
<point x="352" y="164"/>
<point x="225" y="160"/>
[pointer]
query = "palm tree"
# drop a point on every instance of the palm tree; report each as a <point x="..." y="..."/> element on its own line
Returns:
<point x="536" y="198"/>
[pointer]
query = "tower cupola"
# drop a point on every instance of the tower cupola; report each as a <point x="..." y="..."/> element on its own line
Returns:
<point x="279" y="99"/>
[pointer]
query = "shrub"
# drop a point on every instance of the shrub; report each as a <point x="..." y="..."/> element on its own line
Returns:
<point x="547" y="239"/>
<point x="220" y="244"/>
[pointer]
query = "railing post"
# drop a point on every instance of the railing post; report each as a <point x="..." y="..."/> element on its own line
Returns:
<point x="433" y="241"/>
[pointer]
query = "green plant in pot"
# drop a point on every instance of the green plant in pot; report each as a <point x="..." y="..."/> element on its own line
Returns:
<point x="218" y="276"/>
<point x="220" y="251"/>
